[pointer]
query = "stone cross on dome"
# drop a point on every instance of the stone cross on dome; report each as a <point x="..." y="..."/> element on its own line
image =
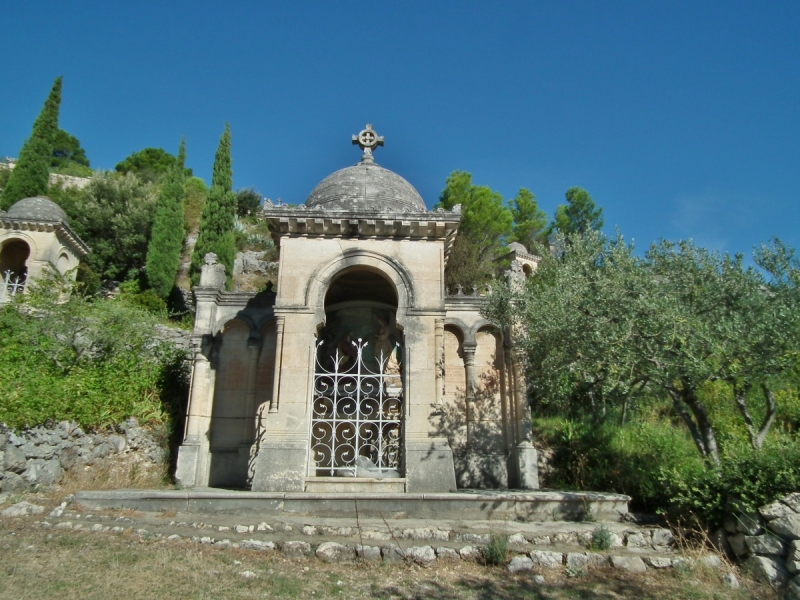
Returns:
<point x="367" y="140"/>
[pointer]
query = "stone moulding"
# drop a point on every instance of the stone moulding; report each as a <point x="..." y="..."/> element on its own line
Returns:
<point x="60" y="229"/>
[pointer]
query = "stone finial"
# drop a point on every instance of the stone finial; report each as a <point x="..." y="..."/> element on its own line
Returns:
<point x="474" y="290"/>
<point x="456" y="209"/>
<point x="459" y="290"/>
<point x="212" y="274"/>
<point x="367" y="140"/>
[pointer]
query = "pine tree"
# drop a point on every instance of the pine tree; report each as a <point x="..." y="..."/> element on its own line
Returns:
<point x="166" y="240"/>
<point x="32" y="173"/>
<point x="216" y="226"/>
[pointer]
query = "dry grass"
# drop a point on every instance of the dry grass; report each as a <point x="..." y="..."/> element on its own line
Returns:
<point x="68" y="564"/>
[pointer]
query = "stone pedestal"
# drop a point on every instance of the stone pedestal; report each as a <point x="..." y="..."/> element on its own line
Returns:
<point x="527" y="466"/>
<point x="186" y="470"/>
<point x="281" y="466"/>
<point x="429" y="466"/>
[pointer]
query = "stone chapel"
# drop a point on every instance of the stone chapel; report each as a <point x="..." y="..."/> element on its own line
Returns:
<point x="357" y="372"/>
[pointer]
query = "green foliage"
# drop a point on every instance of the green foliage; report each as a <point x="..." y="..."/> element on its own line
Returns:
<point x="114" y="216"/>
<point x="69" y="158"/>
<point x="248" y="201"/>
<point x="32" y="173"/>
<point x="496" y="550"/>
<point x="149" y="164"/>
<point x="485" y="224"/>
<point x="601" y="327"/>
<point x="95" y="362"/>
<point x="579" y="215"/>
<point x="601" y="538"/>
<point x="196" y="195"/>
<point x="743" y="483"/>
<point x="166" y="241"/>
<point x="530" y="222"/>
<point x="132" y="294"/>
<point x="5" y="174"/>
<point x="219" y="212"/>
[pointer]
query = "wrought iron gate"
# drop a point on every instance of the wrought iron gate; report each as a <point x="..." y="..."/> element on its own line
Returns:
<point x="358" y="412"/>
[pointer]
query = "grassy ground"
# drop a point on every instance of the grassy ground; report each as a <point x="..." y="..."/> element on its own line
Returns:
<point x="50" y="563"/>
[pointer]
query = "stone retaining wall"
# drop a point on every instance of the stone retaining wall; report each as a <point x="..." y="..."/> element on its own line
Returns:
<point x="768" y="543"/>
<point x="40" y="456"/>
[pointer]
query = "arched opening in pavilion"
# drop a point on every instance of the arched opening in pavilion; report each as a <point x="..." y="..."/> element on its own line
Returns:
<point x="358" y="395"/>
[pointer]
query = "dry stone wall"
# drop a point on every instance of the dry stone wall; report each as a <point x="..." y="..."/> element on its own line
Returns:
<point x="40" y="456"/>
<point x="768" y="543"/>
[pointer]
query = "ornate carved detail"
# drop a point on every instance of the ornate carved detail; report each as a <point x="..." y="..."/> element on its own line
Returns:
<point x="357" y="415"/>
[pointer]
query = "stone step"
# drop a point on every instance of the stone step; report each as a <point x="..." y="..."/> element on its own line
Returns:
<point x="464" y="505"/>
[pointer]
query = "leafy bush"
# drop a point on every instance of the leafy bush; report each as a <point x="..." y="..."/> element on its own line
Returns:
<point x="96" y="363"/>
<point x="496" y="550"/>
<point x="743" y="483"/>
<point x="601" y="538"/>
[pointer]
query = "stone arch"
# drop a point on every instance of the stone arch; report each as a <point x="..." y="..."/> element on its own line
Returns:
<point x="367" y="260"/>
<point x="63" y="263"/>
<point x="223" y="321"/>
<point x="480" y="324"/>
<point x="15" y="252"/>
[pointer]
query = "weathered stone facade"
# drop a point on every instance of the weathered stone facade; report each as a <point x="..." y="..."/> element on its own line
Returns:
<point x="359" y="373"/>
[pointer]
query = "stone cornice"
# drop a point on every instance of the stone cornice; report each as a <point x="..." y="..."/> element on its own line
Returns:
<point x="363" y="224"/>
<point x="60" y="229"/>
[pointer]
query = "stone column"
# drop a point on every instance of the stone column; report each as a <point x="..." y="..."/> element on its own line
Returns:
<point x="198" y="418"/>
<point x="248" y="434"/>
<point x="527" y="457"/>
<point x="439" y="328"/>
<point x="469" y="368"/>
<point x="276" y="378"/>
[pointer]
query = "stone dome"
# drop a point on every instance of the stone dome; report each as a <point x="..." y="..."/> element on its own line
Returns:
<point x="38" y="208"/>
<point x="366" y="186"/>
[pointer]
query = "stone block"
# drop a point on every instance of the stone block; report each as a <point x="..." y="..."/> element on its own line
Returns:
<point x="793" y="558"/>
<point x="543" y="540"/>
<point x="663" y="538"/>
<point x="768" y="570"/>
<point x="738" y="545"/>
<point x="256" y="545"/>
<point x="765" y="544"/>
<point x="21" y="509"/>
<point x="476" y="538"/>
<point x="393" y="554"/>
<point x="628" y="563"/>
<point x="792" y="501"/>
<point x="517" y="539"/>
<point x="295" y="549"/>
<point x="786" y="527"/>
<point x="520" y="564"/>
<point x="470" y="553"/>
<point x="43" y="472"/>
<point x="334" y="552"/>
<point x="547" y="559"/>
<point x="749" y="524"/>
<point x="775" y="510"/>
<point x="570" y="538"/>
<point x="731" y="581"/>
<point x="13" y="483"/>
<point x="3" y="440"/>
<point x="14" y="459"/>
<point x="658" y="562"/>
<point x="368" y="553"/>
<point x="422" y="555"/>
<point x="443" y="553"/>
<point x="636" y="540"/>
<point x="577" y="561"/>
<point x="118" y="442"/>
<point x="792" y="591"/>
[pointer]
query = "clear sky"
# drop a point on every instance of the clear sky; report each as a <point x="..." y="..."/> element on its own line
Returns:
<point x="682" y="119"/>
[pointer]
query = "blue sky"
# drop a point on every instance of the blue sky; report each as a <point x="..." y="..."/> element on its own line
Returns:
<point x="682" y="119"/>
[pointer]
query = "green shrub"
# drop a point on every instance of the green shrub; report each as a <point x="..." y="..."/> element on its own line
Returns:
<point x="601" y="538"/>
<point x="744" y="482"/>
<point x="96" y="363"/>
<point x="496" y="551"/>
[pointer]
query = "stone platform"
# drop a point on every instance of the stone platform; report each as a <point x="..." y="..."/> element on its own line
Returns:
<point x="502" y="505"/>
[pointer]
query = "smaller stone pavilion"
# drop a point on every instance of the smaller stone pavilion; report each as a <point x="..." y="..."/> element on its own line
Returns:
<point x="359" y="373"/>
<point x="35" y="233"/>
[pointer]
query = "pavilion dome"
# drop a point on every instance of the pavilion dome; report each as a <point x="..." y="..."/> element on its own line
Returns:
<point x="38" y="208"/>
<point x="366" y="186"/>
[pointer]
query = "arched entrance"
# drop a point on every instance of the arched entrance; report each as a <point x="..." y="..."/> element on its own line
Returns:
<point x="356" y="428"/>
<point x="14" y="255"/>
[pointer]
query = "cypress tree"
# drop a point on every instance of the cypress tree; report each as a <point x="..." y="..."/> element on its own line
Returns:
<point x="216" y="226"/>
<point x="31" y="175"/>
<point x="166" y="240"/>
